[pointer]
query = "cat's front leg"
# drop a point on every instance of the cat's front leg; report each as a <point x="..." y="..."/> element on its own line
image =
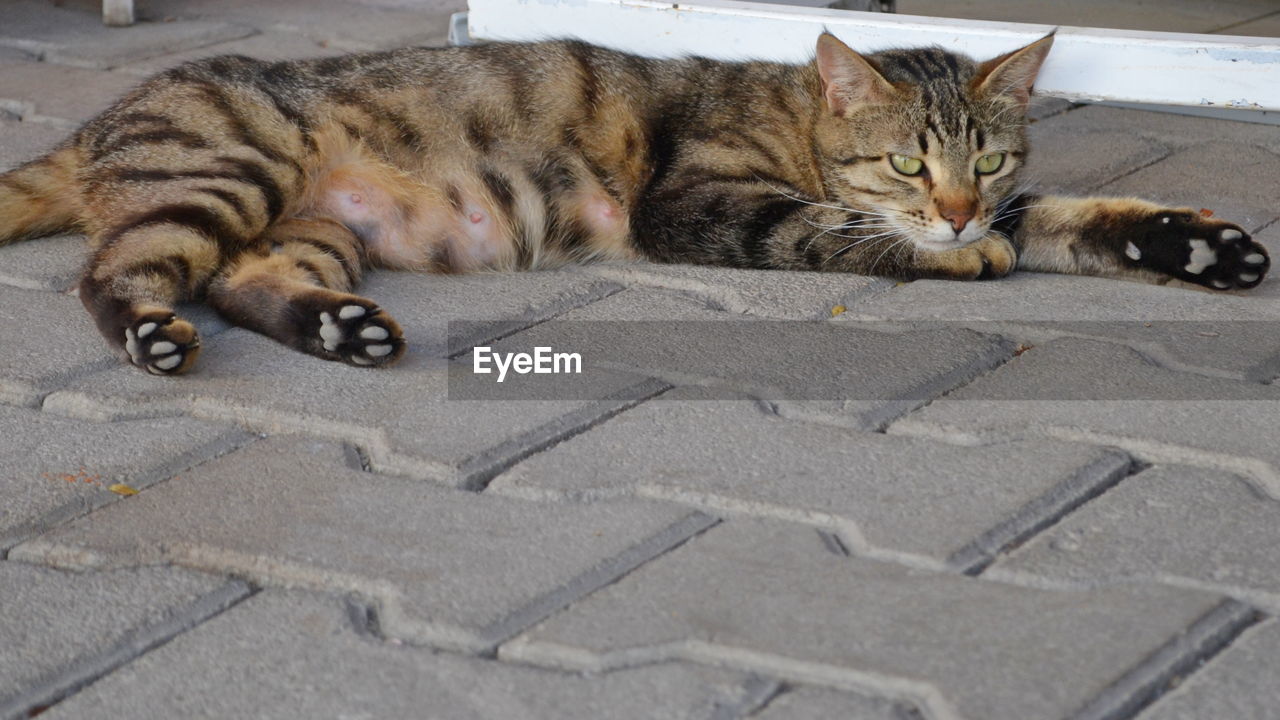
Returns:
<point x="991" y="257"/>
<point x="1135" y="238"/>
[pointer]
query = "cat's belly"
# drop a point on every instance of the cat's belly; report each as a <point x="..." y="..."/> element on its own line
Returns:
<point x="466" y="222"/>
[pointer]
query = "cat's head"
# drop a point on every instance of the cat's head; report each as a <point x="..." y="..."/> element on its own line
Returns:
<point x="931" y="140"/>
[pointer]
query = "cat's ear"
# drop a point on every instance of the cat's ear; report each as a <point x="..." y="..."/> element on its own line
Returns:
<point x="847" y="78"/>
<point x="1013" y="74"/>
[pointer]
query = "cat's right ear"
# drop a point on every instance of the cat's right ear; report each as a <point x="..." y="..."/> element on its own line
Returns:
<point x="848" y="80"/>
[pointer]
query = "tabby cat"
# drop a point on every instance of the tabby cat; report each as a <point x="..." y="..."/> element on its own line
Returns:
<point x="269" y="187"/>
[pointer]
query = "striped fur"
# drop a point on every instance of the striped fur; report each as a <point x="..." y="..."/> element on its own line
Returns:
<point x="268" y="187"/>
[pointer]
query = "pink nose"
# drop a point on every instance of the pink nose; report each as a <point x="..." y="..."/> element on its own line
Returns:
<point x="958" y="217"/>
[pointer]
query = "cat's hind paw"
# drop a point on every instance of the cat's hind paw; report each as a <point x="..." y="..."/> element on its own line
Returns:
<point x="162" y="343"/>
<point x="1196" y="249"/>
<point x="359" y="333"/>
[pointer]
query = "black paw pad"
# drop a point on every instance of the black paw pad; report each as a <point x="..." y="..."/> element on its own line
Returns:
<point x="161" y="344"/>
<point x="1199" y="250"/>
<point x="360" y="335"/>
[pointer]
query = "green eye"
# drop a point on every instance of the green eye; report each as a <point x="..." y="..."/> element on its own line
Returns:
<point x="906" y="165"/>
<point x="988" y="164"/>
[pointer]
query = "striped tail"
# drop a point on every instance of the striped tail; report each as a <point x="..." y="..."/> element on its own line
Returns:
<point x="41" y="197"/>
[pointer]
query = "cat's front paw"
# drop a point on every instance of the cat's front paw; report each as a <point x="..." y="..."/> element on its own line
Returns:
<point x="991" y="257"/>
<point x="1197" y="249"/>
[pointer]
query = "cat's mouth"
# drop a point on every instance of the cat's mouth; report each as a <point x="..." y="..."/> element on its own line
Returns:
<point x="943" y="238"/>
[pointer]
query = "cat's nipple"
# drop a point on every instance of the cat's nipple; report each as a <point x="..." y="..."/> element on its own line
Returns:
<point x="476" y="217"/>
<point x="356" y="199"/>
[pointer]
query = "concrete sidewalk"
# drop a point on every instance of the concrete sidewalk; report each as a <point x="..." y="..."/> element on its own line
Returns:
<point x="1065" y="505"/>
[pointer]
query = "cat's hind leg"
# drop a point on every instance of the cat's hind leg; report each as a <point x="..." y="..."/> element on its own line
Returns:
<point x="295" y="288"/>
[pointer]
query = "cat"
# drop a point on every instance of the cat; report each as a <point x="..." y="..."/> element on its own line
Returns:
<point x="269" y="187"/>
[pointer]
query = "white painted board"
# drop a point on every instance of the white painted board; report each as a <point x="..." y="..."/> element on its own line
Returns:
<point x="1214" y="71"/>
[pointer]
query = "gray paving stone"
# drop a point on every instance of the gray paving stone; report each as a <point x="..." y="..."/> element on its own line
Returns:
<point x="401" y="417"/>
<point x="73" y="34"/>
<point x="425" y="304"/>
<point x="1180" y="131"/>
<point x="1171" y="524"/>
<point x="55" y="620"/>
<point x="334" y="22"/>
<point x="1236" y="180"/>
<point x="46" y="339"/>
<point x="53" y="469"/>
<point x="23" y="141"/>
<point x="1268" y="26"/>
<point x="1234" y="336"/>
<point x="263" y="46"/>
<point x="57" y="94"/>
<point x="860" y="377"/>
<point x="927" y="638"/>
<point x="763" y="293"/>
<point x="52" y="263"/>
<point x="821" y="704"/>
<point x="1229" y="427"/>
<point x="880" y="495"/>
<point x="445" y="567"/>
<point x="1078" y="157"/>
<point x="1239" y="683"/>
<point x="296" y="655"/>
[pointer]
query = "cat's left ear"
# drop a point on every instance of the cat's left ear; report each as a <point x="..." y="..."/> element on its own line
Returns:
<point x="1013" y="74"/>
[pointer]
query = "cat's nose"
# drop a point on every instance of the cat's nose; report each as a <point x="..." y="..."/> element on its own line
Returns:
<point x="958" y="217"/>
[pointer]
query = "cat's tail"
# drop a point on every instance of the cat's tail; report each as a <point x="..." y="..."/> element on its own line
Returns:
<point x="41" y="197"/>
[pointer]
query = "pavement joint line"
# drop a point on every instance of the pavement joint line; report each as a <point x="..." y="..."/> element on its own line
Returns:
<point x="879" y="287"/>
<point x="225" y="444"/>
<point x="478" y="471"/>
<point x="1154" y="352"/>
<point x="919" y="694"/>
<point x="1086" y="484"/>
<point x="1238" y="23"/>
<point x="758" y="691"/>
<point x="1258" y="474"/>
<point x="69" y="679"/>
<point x="1001" y="351"/>
<point x="1179" y="657"/>
<point x="535" y="317"/>
<point x="1137" y="169"/>
<point x="602" y="575"/>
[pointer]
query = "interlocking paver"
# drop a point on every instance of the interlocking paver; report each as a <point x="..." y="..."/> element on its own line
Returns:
<point x="338" y="23"/>
<point x="1155" y="414"/>
<point x="818" y="704"/>
<point x="287" y="654"/>
<point x="1180" y="524"/>
<point x="58" y="625"/>
<point x="1180" y="131"/>
<point x="402" y="417"/>
<point x="960" y="647"/>
<point x="446" y="567"/>
<point x="1227" y="335"/>
<point x="1071" y="155"/>
<point x="73" y="34"/>
<point x="1209" y="175"/>
<point x="762" y="293"/>
<point x="1239" y="683"/>
<point x="64" y="96"/>
<point x="52" y="468"/>
<point x="858" y="376"/>
<point x="46" y="339"/>
<point x="262" y="46"/>
<point x="51" y="263"/>
<point x="23" y="141"/>
<point x="880" y="494"/>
